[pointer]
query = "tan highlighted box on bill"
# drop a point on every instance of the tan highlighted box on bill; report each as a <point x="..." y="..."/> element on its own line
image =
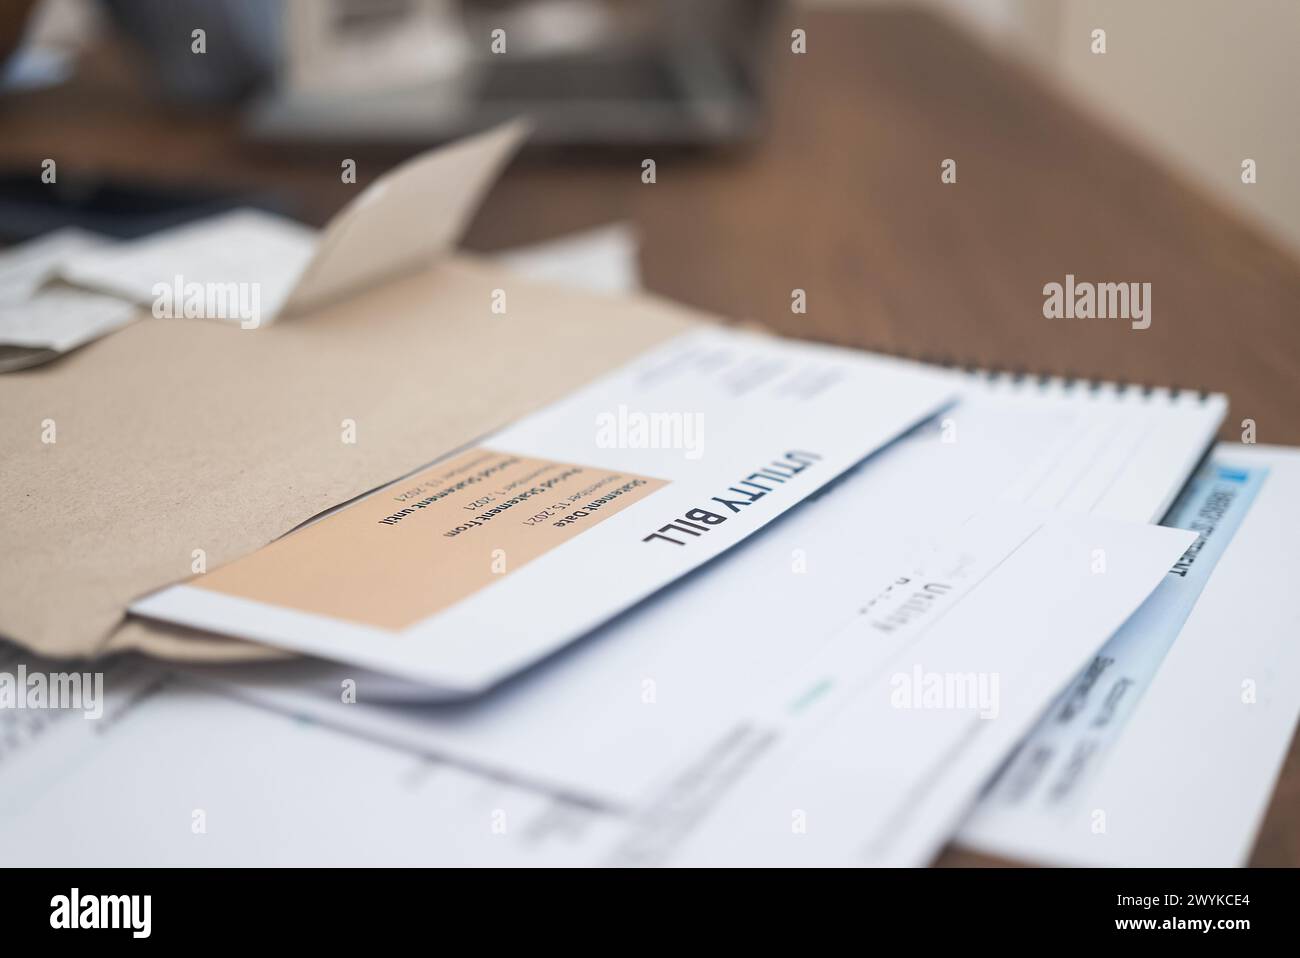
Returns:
<point x="419" y="546"/>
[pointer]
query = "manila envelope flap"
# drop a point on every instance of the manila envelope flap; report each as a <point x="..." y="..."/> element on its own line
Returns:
<point x="403" y="221"/>
<point x="405" y="218"/>
<point x="171" y="443"/>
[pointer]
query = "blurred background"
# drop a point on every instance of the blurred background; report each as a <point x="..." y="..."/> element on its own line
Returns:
<point x="798" y="146"/>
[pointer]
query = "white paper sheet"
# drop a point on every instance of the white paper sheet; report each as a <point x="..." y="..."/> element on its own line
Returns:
<point x="40" y="320"/>
<point x="872" y="752"/>
<point x="174" y="775"/>
<point x="245" y="248"/>
<point x="1164" y="751"/>
<point x="602" y="260"/>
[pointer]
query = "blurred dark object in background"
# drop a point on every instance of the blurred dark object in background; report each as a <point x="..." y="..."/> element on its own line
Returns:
<point x="243" y="43"/>
<point x="416" y="72"/>
<point x="237" y="54"/>
<point x="121" y="208"/>
<point x="591" y="72"/>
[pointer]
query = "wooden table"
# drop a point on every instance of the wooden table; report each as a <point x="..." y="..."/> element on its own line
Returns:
<point x="842" y="198"/>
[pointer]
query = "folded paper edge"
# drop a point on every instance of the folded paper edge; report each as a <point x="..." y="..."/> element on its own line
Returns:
<point x="492" y="149"/>
<point x="175" y="643"/>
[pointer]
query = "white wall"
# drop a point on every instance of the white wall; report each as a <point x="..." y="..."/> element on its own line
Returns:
<point x="1202" y="84"/>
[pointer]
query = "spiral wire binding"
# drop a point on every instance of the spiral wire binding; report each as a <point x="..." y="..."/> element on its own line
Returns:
<point x="1021" y="378"/>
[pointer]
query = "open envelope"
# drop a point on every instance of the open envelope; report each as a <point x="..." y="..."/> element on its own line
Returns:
<point x="234" y="433"/>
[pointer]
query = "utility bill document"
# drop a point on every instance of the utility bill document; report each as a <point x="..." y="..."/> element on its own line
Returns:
<point x="490" y="559"/>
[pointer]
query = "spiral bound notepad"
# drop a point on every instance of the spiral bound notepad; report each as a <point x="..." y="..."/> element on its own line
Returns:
<point x="1113" y="449"/>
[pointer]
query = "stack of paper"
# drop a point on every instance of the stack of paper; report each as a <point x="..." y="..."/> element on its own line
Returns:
<point x="741" y="601"/>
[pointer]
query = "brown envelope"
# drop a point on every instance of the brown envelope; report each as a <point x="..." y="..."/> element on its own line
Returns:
<point x="173" y="436"/>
